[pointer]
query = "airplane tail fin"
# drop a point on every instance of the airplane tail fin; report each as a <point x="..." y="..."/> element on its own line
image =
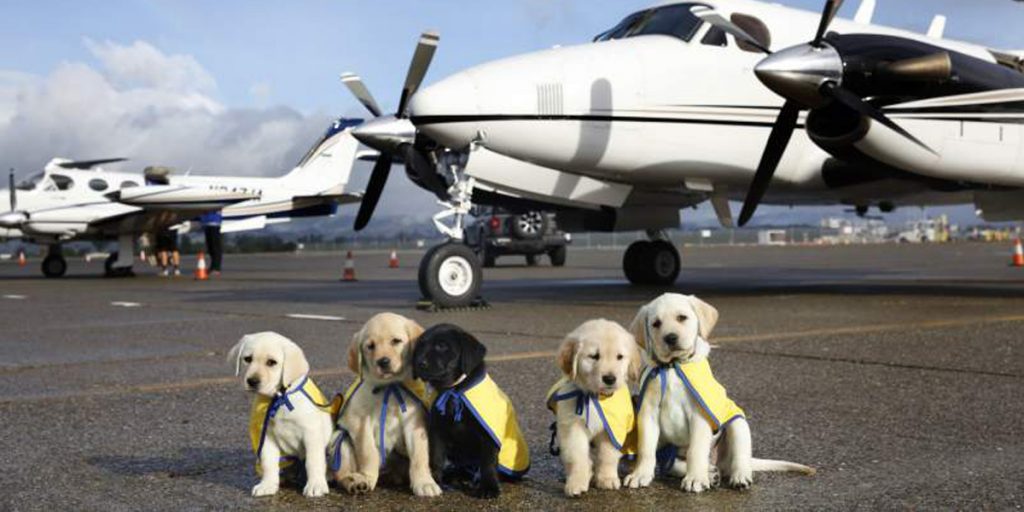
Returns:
<point x="326" y="167"/>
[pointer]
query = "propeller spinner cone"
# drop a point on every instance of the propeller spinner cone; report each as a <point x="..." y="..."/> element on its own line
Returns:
<point x="797" y="73"/>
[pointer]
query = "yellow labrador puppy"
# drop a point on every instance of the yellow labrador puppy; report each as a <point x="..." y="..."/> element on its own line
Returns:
<point x="592" y="404"/>
<point x="683" y="408"/>
<point x="290" y="419"/>
<point x="384" y="410"/>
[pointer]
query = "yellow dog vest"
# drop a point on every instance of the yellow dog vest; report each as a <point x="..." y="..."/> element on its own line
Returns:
<point x="493" y="409"/>
<point x="715" y="405"/>
<point x="615" y="411"/>
<point x="264" y="409"/>
<point x="412" y="388"/>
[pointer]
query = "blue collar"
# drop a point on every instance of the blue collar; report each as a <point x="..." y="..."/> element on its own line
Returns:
<point x="457" y="393"/>
<point x="280" y="399"/>
<point x="583" y="398"/>
<point x="395" y="390"/>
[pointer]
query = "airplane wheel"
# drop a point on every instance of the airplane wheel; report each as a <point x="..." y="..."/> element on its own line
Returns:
<point x="647" y="262"/>
<point x="109" y="270"/>
<point x="54" y="265"/>
<point x="450" y="275"/>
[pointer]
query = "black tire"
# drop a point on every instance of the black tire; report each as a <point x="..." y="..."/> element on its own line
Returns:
<point x="109" y="270"/>
<point x="558" y="255"/>
<point x="531" y="260"/>
<point x="663" y="263"/>
<point x="54" y="265"/>
<point x="460" y="285"/>
<point x="632" y="262"/>
<point x="529" y="226"/>
<point x="489" y="260"/>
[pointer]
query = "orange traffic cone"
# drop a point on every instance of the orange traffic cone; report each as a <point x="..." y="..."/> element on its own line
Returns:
<point x="201" y="274"/>
<point x="350" y="268"/>
<point x="393" y="260"/>
<point x="1018" y="255"/>
<point x="21" y="259"/>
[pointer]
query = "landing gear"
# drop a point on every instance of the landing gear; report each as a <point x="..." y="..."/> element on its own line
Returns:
<point x="54" y="264"/>
<point x="450" y="274"/>
<point x="654" y="262"/>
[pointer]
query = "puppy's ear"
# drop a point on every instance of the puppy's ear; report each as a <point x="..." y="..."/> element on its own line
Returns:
<point x="413" y="330"/>
<point x="355" y="355"/>
<point x="639" y="327"/>
<point x="567" y="356"/>
<point x="636" y="362"/>
<point x="294" y="365"/>
<point x="471" y="353"/>
<point x="235" y="354"/>
<point x="707" y="316"/>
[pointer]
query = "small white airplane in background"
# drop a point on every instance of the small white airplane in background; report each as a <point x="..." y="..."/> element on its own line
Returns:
<point x="80" y="201"/>
<point x="678" y="104"/>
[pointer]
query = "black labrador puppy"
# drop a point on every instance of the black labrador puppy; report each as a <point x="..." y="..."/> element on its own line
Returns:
<point x="452" y="360"/>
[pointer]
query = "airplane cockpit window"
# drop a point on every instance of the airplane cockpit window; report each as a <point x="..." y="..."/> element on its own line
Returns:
<point x="30" y="182"/>
<point x="61" y="182"/>
<point x="755" y="28"/>
<point x="670" y="20"/>
<point x="98" y="185"/>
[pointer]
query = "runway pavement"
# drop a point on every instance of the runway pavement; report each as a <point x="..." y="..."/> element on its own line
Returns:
<point x="897" y="371"/>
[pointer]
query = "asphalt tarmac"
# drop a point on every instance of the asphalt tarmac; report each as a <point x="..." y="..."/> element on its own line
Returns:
<point x="896" y="370"/>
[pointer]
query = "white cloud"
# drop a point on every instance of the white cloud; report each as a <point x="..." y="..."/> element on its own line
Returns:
<point x="141" y="64"/>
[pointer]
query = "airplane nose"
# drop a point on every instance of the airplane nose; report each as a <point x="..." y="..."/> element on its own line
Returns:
<point x="797" y="73"/>
<point x="445" y="110"/>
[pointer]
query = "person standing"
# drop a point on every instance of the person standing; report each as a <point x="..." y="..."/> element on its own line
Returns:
<point x="214" y="244"/>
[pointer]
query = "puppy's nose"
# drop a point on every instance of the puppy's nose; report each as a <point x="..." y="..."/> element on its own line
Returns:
<point x="384" y="362"/>
<point x="671" y="339"/>
<point x="608" y="379"/>
<point x="252" y="382"/>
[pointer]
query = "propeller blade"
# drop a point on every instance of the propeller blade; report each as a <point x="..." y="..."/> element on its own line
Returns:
<point x="773" y="151"/>
<point x="827" y="15"/>
<point x="89" y="164"/>
<point x="854" y="102"/>
<point x="378" y="178"/>
<point x="14" y="192"/>
<point x="358" y="89"/>
<point x="715" y="19"/>
<point x="418" y="68"/>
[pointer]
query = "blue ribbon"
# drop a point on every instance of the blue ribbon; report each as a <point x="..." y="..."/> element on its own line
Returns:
<point x="389" y="391"/>
<point x="275" y="404"/>
<point x="442" y="403"/>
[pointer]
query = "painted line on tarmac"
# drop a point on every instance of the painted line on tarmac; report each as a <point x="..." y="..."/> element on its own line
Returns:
<point x="16" y="297"/>
<point x="303" y="316"/>
<point x="541" y="354"/>
<point x="120" y="304"/>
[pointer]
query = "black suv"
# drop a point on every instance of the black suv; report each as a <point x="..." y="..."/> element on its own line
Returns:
<point x="499" y="233"/>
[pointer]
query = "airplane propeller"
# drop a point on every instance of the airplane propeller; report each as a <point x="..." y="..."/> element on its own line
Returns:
<point x="810" y="76"/>
<point x="13" y="218"/>
<point x="379" y="133"/>
<point x="13" y="190"/>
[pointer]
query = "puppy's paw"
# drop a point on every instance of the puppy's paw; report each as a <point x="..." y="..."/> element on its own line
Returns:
<point x="608" y="482"/>
<point x="355" y="483"/>
<point x="316" y="488"/>
<point x="426" y="489"/>
<point x="265" y="489"/>
<point x="638" y="479"/>
<point x="741" y="480"/>
<point x="487" y="491"/>
<point x="696" y="483"/>
<point x="575" y="487"/>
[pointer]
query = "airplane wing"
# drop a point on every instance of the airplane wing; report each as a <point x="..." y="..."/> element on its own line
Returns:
<point x="154" y="207"/>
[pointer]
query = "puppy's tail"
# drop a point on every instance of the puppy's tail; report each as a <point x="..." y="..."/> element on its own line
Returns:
<point x="780" y="465"/>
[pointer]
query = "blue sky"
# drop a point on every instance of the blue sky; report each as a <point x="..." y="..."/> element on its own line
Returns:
<point x="263" y="52"/>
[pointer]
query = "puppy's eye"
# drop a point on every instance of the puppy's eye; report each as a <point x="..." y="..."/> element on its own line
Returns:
<point x="656" y="324"/>
<point x="371" y="346"/>
<point x="271" y="362"/>
<point x="596" y="356"/>
<point x="619" y="357"/>
<point x="247" y="359"/>
<point x="396" y="341"/>
<point x="681" y="318"/>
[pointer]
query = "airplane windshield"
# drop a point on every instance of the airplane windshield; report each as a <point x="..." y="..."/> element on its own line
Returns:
<point x="670" y="20"/>
<point x="30" y="182"/>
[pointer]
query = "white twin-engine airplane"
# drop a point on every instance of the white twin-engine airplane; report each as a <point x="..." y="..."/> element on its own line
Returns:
<point x="680" y="103"/>
<point x="80" y="201"/>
